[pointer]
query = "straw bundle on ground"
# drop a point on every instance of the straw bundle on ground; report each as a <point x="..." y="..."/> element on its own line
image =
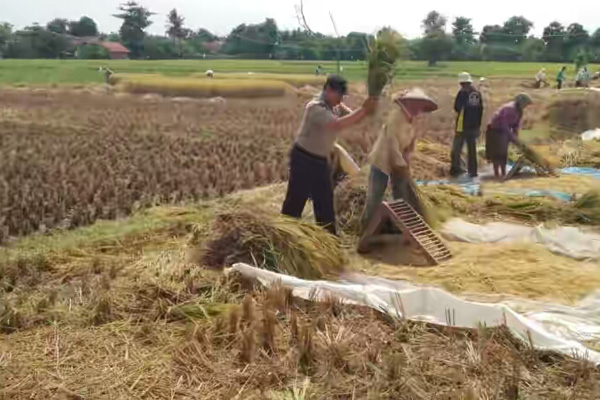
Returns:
<point x="273" y="242"/>
<point x="515" y="207"/>
<point x="202" y="88"/>
<point x="350" y="198"/>
<point x="539" y="162"/>
<point x="568" y="184"/>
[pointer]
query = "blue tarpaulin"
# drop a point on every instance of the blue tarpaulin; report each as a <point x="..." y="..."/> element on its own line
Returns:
<point x="472" y="186"/>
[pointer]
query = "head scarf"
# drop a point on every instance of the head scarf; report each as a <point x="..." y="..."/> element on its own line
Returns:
<point x="523" y="100"/>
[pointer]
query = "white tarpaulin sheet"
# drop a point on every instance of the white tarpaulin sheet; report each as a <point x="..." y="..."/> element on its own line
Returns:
<point x="592" y="134"/>
<point x="568" y="241"/>
<point x="427" y="304"/>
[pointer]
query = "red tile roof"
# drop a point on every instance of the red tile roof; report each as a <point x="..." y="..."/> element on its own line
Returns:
<point x="114" y="47"/>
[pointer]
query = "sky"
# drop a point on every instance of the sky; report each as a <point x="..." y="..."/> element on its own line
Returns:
<point x="220" y="16"/>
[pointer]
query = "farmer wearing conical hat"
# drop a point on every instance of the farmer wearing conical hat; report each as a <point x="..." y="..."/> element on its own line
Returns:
<point x="502" y="130"/>
<point x="469" y="108"/>
<point x="392" y="152"/>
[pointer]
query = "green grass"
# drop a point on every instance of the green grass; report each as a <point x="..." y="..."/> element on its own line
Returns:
<point x="80" y="72"/>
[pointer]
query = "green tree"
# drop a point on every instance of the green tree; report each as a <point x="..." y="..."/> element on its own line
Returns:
<point x="254" y="40"/>
<point x="436" y="44"/>
<point x="160" y="48"/>
<point x="554" y="38"/>
<point x="84" y="27"/>
<point x="175" y="29"/>
<point x="113" y="37"/>
<point x="36" y="42"/>
<point x="92" y="52"/>
<point x="58" y="25"/>
<point x="517" y="28"/>
<point x="580" y="59"/>
<point x="6" y="35"/>
<point x="595" y="39"/>
<point x="136" y="19"/>
<point x="576" y="41"/>
<point x="434" y="22"/>
<point x="462" y="30"/>
<point x="595" y="44"/>
<point x="205" y="35"/>
<point x="533" y="49"/>
<point x="492" y="34"/>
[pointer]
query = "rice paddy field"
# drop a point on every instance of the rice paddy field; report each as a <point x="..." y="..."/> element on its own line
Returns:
<point x="120" y="206"/>
<point x="80" y="72"/>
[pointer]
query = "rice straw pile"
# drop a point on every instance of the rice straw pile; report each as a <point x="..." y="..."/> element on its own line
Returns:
<point x="514" y="207"/>
<point x="273" y="242"/>
<point x="570" y="184"/>
<point x="540" y="163"/>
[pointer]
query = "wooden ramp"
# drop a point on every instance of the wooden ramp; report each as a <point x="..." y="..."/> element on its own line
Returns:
<point x="411" y="224"/>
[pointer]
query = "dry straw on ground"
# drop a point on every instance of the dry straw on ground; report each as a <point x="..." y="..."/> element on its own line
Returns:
<point x="296" y="80"/>
<point x="203" y="88"/>
<point x="523" y="270"/>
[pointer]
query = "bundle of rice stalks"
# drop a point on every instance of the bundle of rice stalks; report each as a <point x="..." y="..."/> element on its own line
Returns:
<point x="202" y="88"/>
<point x="539" y="162"/>
<point x="588" y="154"/>
<point x="382" y="57"/>
<point x="350" y="199"/>
<point x="515" y="207"/>
<point x="589" y="206"/>
<point x="273" y="242"/>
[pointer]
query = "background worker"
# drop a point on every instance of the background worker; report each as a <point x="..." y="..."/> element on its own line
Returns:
<point x="392" y="152"/>
<point x="310" y="173"/>
<point x="469" y="106"/>
<point x="583" y="78"/>
<point x="561" y="78"/>
<point x="540" y="79"/>
<point x="502" y="130"/>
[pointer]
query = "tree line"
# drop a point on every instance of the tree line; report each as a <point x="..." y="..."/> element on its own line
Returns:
<point x="511" y="41"/>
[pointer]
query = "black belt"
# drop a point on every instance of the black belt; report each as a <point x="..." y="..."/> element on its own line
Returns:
<point x="308" y="153"/>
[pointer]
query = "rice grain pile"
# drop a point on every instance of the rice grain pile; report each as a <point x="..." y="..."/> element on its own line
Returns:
<point x="271" y="241"/>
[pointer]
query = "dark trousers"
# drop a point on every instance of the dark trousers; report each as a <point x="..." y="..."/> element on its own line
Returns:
<point x="402" y="188"/>
<point x="310" y="176"/>
<point x="457" y="164"/>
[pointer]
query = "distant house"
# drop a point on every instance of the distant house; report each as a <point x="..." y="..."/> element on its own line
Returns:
<point x="116" y="50"/>
<point x="214" y="46"/>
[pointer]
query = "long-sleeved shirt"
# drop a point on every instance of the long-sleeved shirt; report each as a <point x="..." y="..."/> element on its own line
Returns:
<point x="396" y="141"/>
<point x="507" y="121"/>
<point x="561" y="76"/>
<point x="469" y="106"/>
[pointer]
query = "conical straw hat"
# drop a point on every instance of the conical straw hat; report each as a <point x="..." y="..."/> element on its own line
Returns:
<point x="415" y="101"/>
